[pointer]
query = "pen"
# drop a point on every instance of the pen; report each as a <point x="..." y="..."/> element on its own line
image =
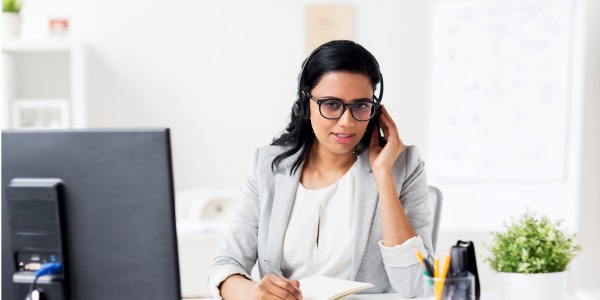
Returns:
<point x="274" y="270"/>
<point x="427" y="270"/>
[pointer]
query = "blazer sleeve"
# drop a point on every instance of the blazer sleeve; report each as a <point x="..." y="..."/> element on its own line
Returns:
<point x="238" y="252"/>
<point x="401" y="265"/>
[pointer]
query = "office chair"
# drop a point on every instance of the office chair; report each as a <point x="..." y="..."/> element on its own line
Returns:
<point x="436" y="200"/>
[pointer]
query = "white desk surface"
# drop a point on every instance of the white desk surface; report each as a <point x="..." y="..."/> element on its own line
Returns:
<point x="588" y="294"/>
<point x="492" y="295"/>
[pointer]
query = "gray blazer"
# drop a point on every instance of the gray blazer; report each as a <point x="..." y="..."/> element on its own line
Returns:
<point x="260" y="222"/>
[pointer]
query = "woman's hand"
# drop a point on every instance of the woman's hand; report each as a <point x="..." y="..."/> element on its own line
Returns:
<point x="394" y="222"/>
<point x="383" y="158"/>
<point x="273" y="287"/>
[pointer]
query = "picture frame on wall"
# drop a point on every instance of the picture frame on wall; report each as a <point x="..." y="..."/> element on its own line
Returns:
<point x="40" y="114"/>
<point x="327" y="22"/>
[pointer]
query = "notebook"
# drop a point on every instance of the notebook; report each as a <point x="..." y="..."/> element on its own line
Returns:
<point x="327" y="288"/>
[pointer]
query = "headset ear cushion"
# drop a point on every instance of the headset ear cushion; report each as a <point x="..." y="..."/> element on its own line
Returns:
<point x="298" y="108"/>
<point x="306" y="107"/>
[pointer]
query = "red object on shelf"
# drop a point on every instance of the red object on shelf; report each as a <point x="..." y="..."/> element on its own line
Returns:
<point x="59" y="26"/>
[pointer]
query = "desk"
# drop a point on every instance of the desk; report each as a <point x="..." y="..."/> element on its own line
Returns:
<point x="588" y="294"/>
<point x="492" y="295"/>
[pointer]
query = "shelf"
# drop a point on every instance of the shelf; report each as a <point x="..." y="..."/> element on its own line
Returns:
<point x="18" y="46"/>
<point x="43" y="69"/>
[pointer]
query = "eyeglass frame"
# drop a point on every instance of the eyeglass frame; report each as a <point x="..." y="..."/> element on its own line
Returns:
<point x="375" y="104"/>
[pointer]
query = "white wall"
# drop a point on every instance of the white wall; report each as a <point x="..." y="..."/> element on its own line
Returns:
<point x="223" y="75"/>
<point x="589" y="234"/>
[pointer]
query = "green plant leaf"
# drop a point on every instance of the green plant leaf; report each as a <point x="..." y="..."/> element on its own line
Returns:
<point x="13" y="6"/>
<point x="531" y="244"/>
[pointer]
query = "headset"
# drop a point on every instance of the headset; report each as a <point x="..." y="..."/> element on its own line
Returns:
<point x="302" y="105"/>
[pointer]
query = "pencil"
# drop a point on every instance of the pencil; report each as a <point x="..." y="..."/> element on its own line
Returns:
<point x="438" y="295"/>
<point x="444" y="272"/>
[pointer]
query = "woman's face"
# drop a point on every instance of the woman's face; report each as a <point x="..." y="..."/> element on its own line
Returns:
<point x="342" y="135"/>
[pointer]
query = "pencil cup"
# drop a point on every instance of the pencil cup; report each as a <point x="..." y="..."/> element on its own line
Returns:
<point x="451" y="288"/>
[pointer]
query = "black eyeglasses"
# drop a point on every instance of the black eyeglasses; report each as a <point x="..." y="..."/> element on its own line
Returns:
<point x="333" y="109"/>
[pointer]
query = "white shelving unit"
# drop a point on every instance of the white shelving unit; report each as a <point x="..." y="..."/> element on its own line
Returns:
<point x="42" y="84"/>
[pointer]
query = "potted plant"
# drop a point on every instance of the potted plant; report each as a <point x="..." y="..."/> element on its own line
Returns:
<point x="11" y="21"/>
<point x="531" y="254"/>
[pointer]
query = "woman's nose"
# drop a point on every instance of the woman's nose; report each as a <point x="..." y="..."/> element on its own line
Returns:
<point x="346" y="119"/>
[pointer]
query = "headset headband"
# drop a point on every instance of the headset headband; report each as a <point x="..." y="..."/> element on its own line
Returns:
<point x="378" y="99"/>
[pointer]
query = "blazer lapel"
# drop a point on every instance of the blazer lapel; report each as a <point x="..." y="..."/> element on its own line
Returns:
<point x="285" y="190"/>
<point x="365" y="204"/>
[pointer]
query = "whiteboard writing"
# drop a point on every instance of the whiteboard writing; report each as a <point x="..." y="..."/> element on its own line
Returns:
<point x="500" y="90"/>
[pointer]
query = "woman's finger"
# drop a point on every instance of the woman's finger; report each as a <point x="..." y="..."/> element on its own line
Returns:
<point x="387" y="115"/>
<point x="296" y="283"/>
<point x="286" y="287"/>
<point x="385" y="120"/>
<point x="389" y="130"/>
<point x="280" y="292"/>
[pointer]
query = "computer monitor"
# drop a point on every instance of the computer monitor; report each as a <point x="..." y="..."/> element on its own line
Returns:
<point x="117" y="213"/>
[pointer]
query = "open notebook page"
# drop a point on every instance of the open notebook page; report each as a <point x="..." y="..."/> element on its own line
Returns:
<point x="322" y="288"/>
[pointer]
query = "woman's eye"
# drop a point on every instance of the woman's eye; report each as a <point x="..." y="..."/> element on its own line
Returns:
<point x="363" y="105"/>
<point x="331" y="104"/>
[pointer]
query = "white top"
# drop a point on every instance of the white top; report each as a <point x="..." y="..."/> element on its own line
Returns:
<point x="318" y="239"/>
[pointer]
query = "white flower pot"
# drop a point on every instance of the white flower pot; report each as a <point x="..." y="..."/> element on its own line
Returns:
<point x="11" y="25"/>
<point x="542" y="286"/>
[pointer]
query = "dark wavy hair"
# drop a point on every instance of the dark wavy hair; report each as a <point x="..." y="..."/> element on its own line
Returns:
<point x="334" y="56"/>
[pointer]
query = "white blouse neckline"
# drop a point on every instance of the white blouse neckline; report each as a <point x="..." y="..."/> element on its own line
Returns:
<point x="331" y="186"/>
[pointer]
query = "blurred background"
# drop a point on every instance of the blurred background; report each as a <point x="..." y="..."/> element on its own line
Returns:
<point x="502" y="98"/>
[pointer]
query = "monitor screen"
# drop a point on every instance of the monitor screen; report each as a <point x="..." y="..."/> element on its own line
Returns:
<point x="117" y="210"/>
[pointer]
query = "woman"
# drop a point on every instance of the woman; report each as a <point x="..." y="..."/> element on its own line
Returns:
<point x="325" y="198"/>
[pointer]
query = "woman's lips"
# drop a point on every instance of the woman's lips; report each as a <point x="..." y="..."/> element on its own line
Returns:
<point x="343" y="138"/>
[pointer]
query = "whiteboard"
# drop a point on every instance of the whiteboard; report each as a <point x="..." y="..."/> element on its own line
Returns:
<point x="500" y="88"/>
